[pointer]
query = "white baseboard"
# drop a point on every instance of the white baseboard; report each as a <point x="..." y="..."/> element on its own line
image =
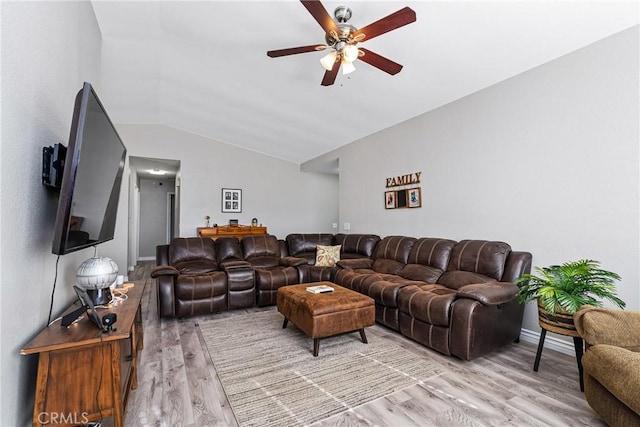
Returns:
<point x="550" y="341"/>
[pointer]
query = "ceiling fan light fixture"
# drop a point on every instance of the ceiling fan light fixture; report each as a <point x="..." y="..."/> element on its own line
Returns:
<point x="347" y="67"/>
<point x="328" y="60"/>
<point x="350" y="53"/>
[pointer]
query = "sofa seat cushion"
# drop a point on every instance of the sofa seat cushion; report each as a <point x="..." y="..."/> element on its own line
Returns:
<point x="354" y="263"/>
<point x="387" y="266"/>
<point x="196" y="267"/>
<point x="354" y="279"/>
<point x="423" y="273"/>
<point x="429" y="303"/>
<point x="264" y="261"/>
<point x="457" y="279"/>
<point x="616" y="368"/>
<point x="189" y="288"/>
<point x="386" y="292"/>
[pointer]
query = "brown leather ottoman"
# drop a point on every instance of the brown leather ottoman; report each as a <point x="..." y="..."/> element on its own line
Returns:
<point x="327" y="314"/>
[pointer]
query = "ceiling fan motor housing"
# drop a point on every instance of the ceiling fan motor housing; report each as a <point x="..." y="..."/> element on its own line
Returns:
<point x="345" y="30"/>
<point x="342" y="13"/>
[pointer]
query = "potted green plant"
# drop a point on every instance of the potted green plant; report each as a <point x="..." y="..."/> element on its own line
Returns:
<point x="565" y="288"/>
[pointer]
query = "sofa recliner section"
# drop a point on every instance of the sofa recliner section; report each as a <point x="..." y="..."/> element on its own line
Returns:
<point x="200" y="276"/>
<point x="189" y="278"/>
<point x="272" y="270"/>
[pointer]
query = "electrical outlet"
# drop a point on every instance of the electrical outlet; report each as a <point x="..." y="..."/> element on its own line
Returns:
<point x="347" y="226"/>
<point x="335" y="225"/>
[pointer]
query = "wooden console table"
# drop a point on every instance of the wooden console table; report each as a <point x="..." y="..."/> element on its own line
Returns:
<point x="84" y="374"/>
<point x="238" y="231"/>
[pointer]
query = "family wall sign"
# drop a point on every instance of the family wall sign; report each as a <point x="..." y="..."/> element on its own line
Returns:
<point x="403" y="191"/>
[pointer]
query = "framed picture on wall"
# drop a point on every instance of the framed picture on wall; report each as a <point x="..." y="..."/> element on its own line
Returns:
<point x="414" y="198"/>
<point x="390" y="199"/>
<point x="231" y="200"/>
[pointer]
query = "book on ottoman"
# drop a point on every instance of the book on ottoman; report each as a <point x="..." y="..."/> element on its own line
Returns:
<point x="320" y="289"/>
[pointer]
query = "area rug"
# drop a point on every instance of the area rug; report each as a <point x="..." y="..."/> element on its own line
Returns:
<point x="272" y="379"/>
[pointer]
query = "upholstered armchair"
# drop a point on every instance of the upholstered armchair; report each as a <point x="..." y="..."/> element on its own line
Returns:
<point x="272" y="269"/>
<point x="611" y="363"/>
<point x="189" y="279"/>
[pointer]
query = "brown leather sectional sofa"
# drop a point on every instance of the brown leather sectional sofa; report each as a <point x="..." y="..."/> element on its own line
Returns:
<point x="454" y="297"/>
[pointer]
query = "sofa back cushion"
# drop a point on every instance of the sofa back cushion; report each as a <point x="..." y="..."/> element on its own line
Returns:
<point x="228" y="249"/>
<point x="304" y="245"/>
<point x="356" y="245"/>
<point x="428" y="259"/>
<point x="475" y="261"/>
<point x="391" y="254"/>
<point x="432" y="252"/>
<point x="191" y="248"/>
<point x="261" y="251"/>
<point x="193" y="255"/>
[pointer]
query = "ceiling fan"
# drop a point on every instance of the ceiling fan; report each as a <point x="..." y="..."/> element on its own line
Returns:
<point x="343" y="38"/>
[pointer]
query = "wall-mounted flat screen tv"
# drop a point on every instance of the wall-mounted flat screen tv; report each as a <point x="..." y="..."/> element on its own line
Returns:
<point x="92" y="177"/>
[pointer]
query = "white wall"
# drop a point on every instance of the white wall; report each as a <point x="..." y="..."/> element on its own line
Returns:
<point x="283" y="199"/>
<point x="547" y="161"/>
<point x="48" y="50"/>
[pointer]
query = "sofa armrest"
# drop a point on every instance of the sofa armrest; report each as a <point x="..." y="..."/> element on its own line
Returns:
<point x="355" y="263"/>
<point x="234" y="265"/>
<point x="600" y="325"/>
<point x="162" y="255"/>
<point x="290" y="261"/>
<point x="164" y="270"/>
<point x="616" y="369"/>
<point x="166" y="299"/>
<point x="491" y="293"/>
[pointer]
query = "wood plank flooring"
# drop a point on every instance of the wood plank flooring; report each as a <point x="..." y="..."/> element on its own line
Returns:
<point x="178" y="385"/>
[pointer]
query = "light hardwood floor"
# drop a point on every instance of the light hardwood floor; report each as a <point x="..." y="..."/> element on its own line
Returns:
<point x="178" y="385"/>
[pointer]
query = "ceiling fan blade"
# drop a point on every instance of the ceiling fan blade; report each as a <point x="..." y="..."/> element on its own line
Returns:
<point x="380" y="62"/>
<point x="330" y="76"/>
<point x="397" y="19"/>
<point x="295" y="50"/>
<point x="320" y="14"/>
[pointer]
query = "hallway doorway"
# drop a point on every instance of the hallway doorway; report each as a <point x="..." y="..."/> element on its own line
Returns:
<point x="154" y="206"/>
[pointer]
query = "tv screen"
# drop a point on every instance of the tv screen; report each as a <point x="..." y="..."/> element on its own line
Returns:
<point x="92" y="176"/>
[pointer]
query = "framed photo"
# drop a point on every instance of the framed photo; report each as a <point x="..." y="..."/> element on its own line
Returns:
<point x="390" y="199"/>
<point x="231" y="200"/>
<point x="414" y="197"/>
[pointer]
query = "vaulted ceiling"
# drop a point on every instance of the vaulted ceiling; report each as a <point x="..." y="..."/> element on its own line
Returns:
<point x="202" y="66"/>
